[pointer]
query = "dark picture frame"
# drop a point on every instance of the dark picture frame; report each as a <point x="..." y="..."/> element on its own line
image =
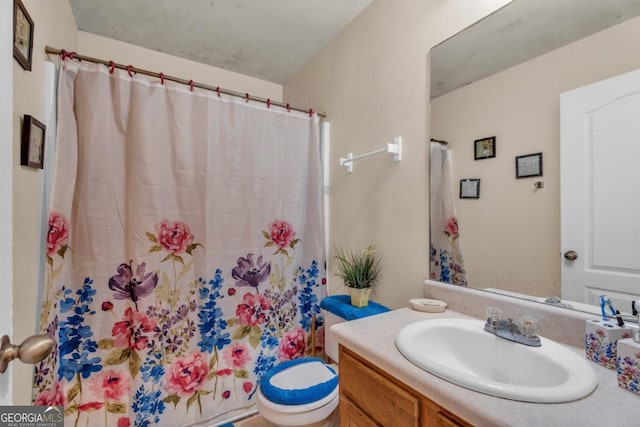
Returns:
<point x="484" y="148"/>
<point x="32" y="144"/>
<point x="22" y="35"/>
<point x="470" y="188"/>
<point x="529" y="165"/>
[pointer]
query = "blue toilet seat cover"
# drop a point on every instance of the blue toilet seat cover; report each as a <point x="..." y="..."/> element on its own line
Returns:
<point x="298" y="396"/>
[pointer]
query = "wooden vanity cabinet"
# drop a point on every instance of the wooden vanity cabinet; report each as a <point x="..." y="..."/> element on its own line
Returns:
<point x="370" y="397"/>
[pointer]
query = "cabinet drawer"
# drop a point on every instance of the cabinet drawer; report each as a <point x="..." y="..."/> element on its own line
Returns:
<point x="435" y="416"/>
<point x="378" y="396"/>
<point x="350" y="416"/>
<point x="443" y="420"/>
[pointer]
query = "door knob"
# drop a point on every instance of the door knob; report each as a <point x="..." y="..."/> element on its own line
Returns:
<point x="571" y="255"/>
<point x="32" y="350"/>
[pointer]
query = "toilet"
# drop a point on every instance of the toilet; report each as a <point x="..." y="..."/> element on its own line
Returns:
<point x="304" y="392"/>
<point x="299" y="392"/>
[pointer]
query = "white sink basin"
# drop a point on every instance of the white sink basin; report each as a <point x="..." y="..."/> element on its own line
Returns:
<point x="462" y="352"/>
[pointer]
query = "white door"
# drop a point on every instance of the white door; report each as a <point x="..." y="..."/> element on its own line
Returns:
<point x="600" y="187"/>
<point x="6" y="171"/>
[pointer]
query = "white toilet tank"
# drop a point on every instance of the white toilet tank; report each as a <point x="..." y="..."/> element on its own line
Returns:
<point x="342" y="304"/>
<point x="330" y="343"/>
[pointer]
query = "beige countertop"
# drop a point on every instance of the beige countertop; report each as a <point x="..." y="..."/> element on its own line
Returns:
<point x="374" y="339"/>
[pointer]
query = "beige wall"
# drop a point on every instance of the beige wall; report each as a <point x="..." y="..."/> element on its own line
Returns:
<point x="371" y="81"/>
<point x="511" y="235"/>
<point x="124" y="53"/>
<point x="54" y="24"/>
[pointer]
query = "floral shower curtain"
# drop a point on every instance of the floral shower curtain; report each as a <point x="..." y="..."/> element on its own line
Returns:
<point x="184" y="254"/>
<point x="446" y="263"/>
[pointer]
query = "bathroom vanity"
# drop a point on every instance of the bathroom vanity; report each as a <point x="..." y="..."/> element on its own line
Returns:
<point x="378" y="386"/>
<point x="371" y="397"/>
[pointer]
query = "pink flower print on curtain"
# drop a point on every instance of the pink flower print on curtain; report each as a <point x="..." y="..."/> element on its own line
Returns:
<point x="174" y="237"/>
<point x="236" y="355"/>
<point x="58" y="234"/>
<point x="110" y="386"/>
<point x="252" y="310"/>
<point x="292" y="345"/>
<point x="131" y="332"/>
<point x="90" y="407"/>
<point x="187" y="375"/>
<point x="51" y="397"/>
<point x="280" y="234"/>
<point x="451" y="228"/>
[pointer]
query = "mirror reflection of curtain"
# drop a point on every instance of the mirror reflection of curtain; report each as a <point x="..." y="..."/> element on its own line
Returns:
<point x="184" y="253"/>
<point x="446" y="263"/>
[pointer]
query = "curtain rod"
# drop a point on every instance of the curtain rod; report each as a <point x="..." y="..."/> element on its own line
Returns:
<point x="439" y="141"/>
<point x="72" y="55"/>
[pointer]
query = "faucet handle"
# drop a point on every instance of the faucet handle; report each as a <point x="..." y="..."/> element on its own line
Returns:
<point x="528" y="326"/>
<point x="493" y="314"/>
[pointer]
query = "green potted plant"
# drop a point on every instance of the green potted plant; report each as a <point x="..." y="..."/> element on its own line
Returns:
<point x="360" y="272"/>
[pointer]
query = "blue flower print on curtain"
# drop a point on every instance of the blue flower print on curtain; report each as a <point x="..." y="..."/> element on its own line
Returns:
<point x="76" y="344"/>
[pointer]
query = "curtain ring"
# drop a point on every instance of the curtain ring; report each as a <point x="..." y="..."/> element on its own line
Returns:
<point x="247" y="97"/>
<point x="288" y="107"/>
<point x="161" y="78"/>
<point x="218" y="90"/>
<point x="268" y="102"/>
<point x="310" y="112"/>
<point x="191" y="85"/>
<point x="63" y="54"/>
<point x="111" y="67"/>
<point x="129" y="71"/>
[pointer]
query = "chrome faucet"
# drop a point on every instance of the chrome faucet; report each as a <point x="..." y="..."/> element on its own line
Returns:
<point x="523" y="332"/>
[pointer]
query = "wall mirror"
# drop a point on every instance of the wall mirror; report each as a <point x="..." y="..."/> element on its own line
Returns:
<point x="504" y="76"/>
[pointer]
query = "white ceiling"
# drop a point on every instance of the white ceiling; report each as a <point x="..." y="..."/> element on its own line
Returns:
<point x="521" y="30"/>
<point x="267" y="39"/>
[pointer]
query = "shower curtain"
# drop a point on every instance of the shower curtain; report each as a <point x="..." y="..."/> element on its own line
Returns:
<point x="446" y="263"/>
<point x="185" y="252"/>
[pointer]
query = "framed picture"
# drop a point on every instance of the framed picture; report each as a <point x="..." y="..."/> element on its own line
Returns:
<point x="32" y="146"/>
<point x="470" y="188"/>
<point x="484" y="148"/>
<point x="529" y="165"/>
<point x="22" y="35"/>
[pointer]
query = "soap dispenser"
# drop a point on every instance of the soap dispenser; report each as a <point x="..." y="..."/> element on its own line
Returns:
<point x="628" y="363"/>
